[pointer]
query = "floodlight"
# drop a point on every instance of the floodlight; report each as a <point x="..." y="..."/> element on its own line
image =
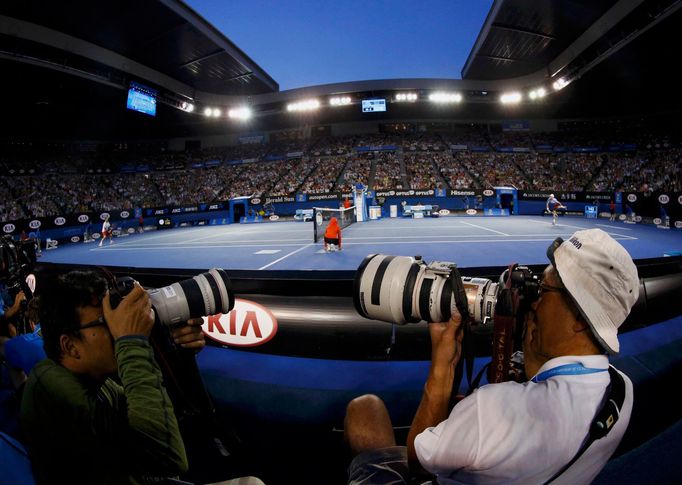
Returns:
<point x="409" y="97"/>
<point x="189" y="107"/>
<point x="537" y="93"/>
<point x="444" y="97"/>
<point x="216" y="112"/>
<point x="510" y="98"/>
<point x="560" y="84"/>
<point x="208" y="112"/>
<point x="340" y="100"/>
<point x="243" y="113"/>
<point x="306" y="105"/>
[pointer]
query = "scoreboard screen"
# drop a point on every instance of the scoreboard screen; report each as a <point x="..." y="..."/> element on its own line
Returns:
<point x="373" y="105"/>
<point x="142" y="99"/>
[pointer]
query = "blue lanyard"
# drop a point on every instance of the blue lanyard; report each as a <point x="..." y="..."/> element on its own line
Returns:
<point x="566" y="370"/>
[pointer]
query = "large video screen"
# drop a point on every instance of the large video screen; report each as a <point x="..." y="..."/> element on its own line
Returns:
<point x="142" y="99"/>
<point x="373" y="105"/>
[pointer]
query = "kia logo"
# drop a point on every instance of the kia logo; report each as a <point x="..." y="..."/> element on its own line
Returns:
<point x="274" y="217"/>
<point x="95" y="235"/>
<point x="255" y="201"/>
<point x="83" y="218"/>
<point x="632" y="197"/>
<point x="488" y="192"/>
<point x="678" y="224"/>
<point x="663" y="199"/>
<point x="131" y="230"/>
<point x="622" y="217"/>
<point x="657" y="221"/>
<point x="247" y="325"/>
<point x="638" y="218"/>
<point x="35" y="224"/>
<point x="443" y="212"/>
<point x="125" y="214"/>
<point x="8" y="228"/>
<point x="75" y="239"/>
<point x="679" y="200"/>
<point x="104" y="215"/>
<point x="60" y="221"/>
<point x="471" y="212"/>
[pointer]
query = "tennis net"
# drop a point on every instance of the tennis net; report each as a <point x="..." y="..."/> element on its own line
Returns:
<point x="322" y="216"/>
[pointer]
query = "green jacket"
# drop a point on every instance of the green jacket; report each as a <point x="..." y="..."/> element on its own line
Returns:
<point x="82" y="431"/>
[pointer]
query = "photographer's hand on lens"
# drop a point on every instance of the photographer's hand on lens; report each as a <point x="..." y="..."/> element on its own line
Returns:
<point x="446" y="341"/>
<point x="16" y="306"/>
<point x="133" y="316"/>
<point x="190" y="336"/>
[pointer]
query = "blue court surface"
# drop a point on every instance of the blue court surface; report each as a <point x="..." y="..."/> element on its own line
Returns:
<point x="467" y="241"/>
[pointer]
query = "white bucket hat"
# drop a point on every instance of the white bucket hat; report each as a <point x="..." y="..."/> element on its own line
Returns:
<point x="602" y="279"/>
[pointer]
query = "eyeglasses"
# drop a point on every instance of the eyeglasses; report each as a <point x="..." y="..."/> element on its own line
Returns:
<point x="545" y="288"/>
<point x="95" y="323"/>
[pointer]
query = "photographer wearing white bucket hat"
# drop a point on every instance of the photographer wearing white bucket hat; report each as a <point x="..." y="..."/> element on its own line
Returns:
<point x="540" y="431"/>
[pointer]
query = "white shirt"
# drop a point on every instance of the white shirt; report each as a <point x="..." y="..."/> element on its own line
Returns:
<point x="525" y="433"/>
<point x="106" y="226"/>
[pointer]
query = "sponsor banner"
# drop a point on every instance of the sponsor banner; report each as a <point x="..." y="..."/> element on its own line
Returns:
<point x="104" y="215"/>
<point x="585" y="149"/>
<point x="440" y="192"/>
<point x="471" y="212"/>
<point x="377" y="148"/>
<point x="444" y="212"/>
<point x="249" y="324"/>
<point x="329" y="196"/>
<point x="463" y="193"/>
<point x="480" y="149"/>
<point x="488" y="193"/>
<point x="274" y="217"/>
<point x="543" y="148"/>
<point x="294" y="154"/>
<point x="301" y="197"/>
<point x="565" y="196"/>
<point x="75" y="239"/>
<point x="34" y="224"/>
<point x="124" y="214"/>
<point x="279" y="198"/>
<point x="516" y="125"/>
<point x="8" y="228"/>
<point x="251" y="139"/>
<point x="59" y="221"/>
<point x="459" y="148"/>
<point x="83" y="218"/>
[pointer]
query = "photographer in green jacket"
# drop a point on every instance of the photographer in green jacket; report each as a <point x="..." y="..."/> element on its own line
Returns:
<point x="82" y="426"/>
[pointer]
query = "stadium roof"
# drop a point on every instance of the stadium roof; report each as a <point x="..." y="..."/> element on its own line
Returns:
<point x="74" y="67"/>
<point x="520" y="38"/>
<point x="160" y="41"/>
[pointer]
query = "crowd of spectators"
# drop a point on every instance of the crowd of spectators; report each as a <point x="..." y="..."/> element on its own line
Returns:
<point x="66" y="183"/>
<point x="325" y="174"/>
<point x="387" y="174"/>
<point x="421" y="170"/>
<point x="452" y="170"/>
<point x="357" y="171"/>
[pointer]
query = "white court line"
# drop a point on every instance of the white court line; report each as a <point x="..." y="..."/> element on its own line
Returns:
<point x="286" y="256"/>
<point x="217" y="246"/>
<point x="272" y="242"/>
<point x="624" y="236"/>
<point x="388" y="243"/>
<point x="485" y="228"/>
<point x="612" y="227"/>
<point x="450" y="235"/>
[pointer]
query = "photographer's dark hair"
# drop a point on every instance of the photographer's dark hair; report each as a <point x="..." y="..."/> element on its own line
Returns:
<point x="59" y="303"/>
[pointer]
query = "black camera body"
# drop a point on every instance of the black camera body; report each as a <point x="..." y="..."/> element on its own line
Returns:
<point x="17" y="259"/>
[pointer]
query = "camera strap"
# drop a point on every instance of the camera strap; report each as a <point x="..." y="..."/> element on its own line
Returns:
<point x="503" y="333"/>
<point x="603" y="422"/>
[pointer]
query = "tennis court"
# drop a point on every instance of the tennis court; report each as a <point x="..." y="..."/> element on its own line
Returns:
<point x="468" y="241"/>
